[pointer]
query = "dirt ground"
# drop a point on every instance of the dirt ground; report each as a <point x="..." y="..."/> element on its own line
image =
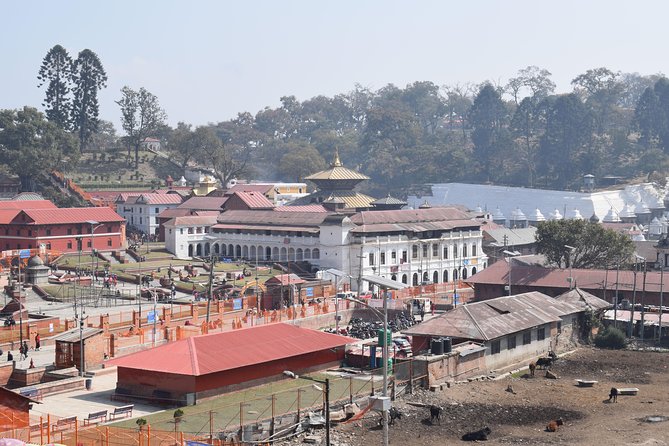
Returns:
<point x="521" y="417"/>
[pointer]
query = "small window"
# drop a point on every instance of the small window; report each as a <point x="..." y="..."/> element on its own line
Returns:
<point x="541" y="334"/>
<point x="88" y="244"/>
<point x="382" y="258"/>
<point x="181" y="230"/>
<point x="527" y="337"/>
<point x="69" y="231"/>
<point x="157" y="211"/>
<point x="474" y="250"/>
<point x="109" y="229"/>
<point x="455" y="251"/>
<point x="371" y="259"/>
<point x="559" y="327"/>
<point x="109" y="242"/>
<point x="404" y="256"/>
<point x="140" y="210"/>
<point x="48" y="232"/>
<point x="445" y="252"/>
<point x="435" y="250"/>
<point x="414" y="252"/>
<point x="511" y="342"/>
<point x="48" y="245"/>
<point x="495" y="347"/>
<point x="464" y="251"/>
<point x="169" y="231"/>
<point x="140" y="220"/>
<point x="424" y="250"/>
<point x="393" y="256"/>
<point x="69" y="245"/>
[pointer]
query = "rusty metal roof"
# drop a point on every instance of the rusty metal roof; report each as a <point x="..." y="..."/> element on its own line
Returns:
<point x="254" y="200"/>
<point x="74" y="335"/>
<point x="217" y="352"/>
<point x="410" y="216"/>
<point x="494" y="318"/>
<point x="577" y="296"/>
<point x="192" y="220"/>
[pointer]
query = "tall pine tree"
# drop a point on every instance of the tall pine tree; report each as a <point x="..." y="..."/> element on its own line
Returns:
<point x="89" y="76"/>
<point x="56" y="72"/>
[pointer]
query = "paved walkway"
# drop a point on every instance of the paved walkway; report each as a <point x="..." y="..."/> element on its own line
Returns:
<point x="83" y="402"/>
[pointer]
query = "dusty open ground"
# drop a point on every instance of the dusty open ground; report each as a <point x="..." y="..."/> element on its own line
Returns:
<point x="521" y="417"/>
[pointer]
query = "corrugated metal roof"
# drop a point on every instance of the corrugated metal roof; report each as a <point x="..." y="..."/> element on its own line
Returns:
<point x="445" y="225"/>
<point x="588" y="279"/>
<point x="202" y="355"/>
<point x="27" y="204"/>
<point x="74" y="335"/>
<point x="305" y="208"/>
<point x="155" y="198"/>
<point x="385" y="283"/>
<point x="494" y="318"/>
<point x="7" y="215"/>
<point x="72" y="215"/>
<point x="266" y="228"/>
<point x="272" y="218"/>
<point x="512" y="237"/>
<point x="192" y="220"/>
<point x="175" y="212"/>
<point x="577" y="296"/>
<point x="204" y="203"/>
<point x="410" y="216"/>
<point x="285" y="279"/>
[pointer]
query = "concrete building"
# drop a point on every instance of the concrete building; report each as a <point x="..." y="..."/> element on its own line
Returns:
<point x="203" y="366"/>
<point x="141" y="211"/>
<point x="510" y="329"/>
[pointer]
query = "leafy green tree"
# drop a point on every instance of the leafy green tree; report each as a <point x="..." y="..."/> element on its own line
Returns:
<point x="104" y="138"/>
<point x="56" y="72"/>
<point x="489" y="118"/>
<point x="300" y="161"/>
<point x="648" y="118"/>
<point x="228" y="160"/>
<point x="596" y="246"/>
<point x="31" y="146"/>
<point x="527" y="126"/>
<point x="89" y="77"/>
<point x="141" y="117"/>
<point x="533" y="79"/>
<point x="568" y="132"/>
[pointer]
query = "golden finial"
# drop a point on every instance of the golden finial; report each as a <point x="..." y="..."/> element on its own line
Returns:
<point x="337" y="161"/>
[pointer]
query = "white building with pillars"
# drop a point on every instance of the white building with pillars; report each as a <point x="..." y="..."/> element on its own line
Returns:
<point x="410" y="246"/>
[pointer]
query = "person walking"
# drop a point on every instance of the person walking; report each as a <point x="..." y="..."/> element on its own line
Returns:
<point x="24" y="350"/>
<point x="37" y="342"/>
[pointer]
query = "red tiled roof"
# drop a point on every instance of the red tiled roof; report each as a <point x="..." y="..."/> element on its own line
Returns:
<point x="192" y="220"/>
<point x="154" y="198"/>
<point x="204" y="203"/>
<point x="175" y="212"/>
<point x="69" y="215"/>
<point x="27" y="204"/>
<point x="255" y="200"/>
<point x="202" y="355"/>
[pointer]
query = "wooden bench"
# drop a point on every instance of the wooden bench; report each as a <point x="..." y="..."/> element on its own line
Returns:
<point x="64" y="423"/>
<point x="39" y="427"/>
<point x="93" y="416"/>
<point x="124" y="411"/>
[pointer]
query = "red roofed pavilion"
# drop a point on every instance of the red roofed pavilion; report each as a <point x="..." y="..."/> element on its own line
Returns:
<point x="209" y="365"/>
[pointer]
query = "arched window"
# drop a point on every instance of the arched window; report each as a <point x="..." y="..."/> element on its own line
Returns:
<point x="464" y="273"/>
<point x="455" y="251"/>
<point x="474" y="250"/>
<point x="473" y="271"/>
<point x="415" y="279"/>
<point x="393" y="277"/>
<point x="435" y="277"/>
<point x="464" y="251"/>
<point x="425" y="277"/>
<point x="455" y="275"/>
<point x="414" y="252"/>
<point x="316" y="254"/>
<point x="445" y="275"/>
<point x="445" y="252"/>
<point x="404" y="278"/>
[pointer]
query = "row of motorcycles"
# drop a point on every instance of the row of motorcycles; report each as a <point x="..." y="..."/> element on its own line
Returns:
<point x="361" y="329"/>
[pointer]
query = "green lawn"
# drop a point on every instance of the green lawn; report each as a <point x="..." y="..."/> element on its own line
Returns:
<point x="257" y="404"/>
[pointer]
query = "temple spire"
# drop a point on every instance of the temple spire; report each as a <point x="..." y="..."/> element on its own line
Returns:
<point x="336" y="162"/>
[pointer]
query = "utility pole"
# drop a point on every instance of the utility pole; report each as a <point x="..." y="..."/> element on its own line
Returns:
<point x="360" y="271"/>
<point x="643" y="300"/>
<point x="661" y="307"/>
<point x="615" y="303"/>
<point x="211" y="285"/>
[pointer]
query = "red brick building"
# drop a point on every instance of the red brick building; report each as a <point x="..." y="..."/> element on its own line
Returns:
<point x="209" y="365"/>
<point x="29" y="224"/>
<point x="14" y="410"/>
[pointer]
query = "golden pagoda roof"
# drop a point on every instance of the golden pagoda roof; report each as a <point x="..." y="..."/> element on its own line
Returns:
<point x="337" y="171"/>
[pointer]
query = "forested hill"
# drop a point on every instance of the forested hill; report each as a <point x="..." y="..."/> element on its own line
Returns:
<point x="518" y="134"/>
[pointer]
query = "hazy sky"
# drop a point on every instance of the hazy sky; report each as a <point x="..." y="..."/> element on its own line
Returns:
<point x="208" y="60"/>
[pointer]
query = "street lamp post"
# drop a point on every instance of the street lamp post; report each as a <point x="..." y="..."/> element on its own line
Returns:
<point x="571" y="264"/>
<point x="326" y="383"/>
<point x="94" y="225"/>
<point x="384" y="357"/>
<point x="509" y="255"/>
